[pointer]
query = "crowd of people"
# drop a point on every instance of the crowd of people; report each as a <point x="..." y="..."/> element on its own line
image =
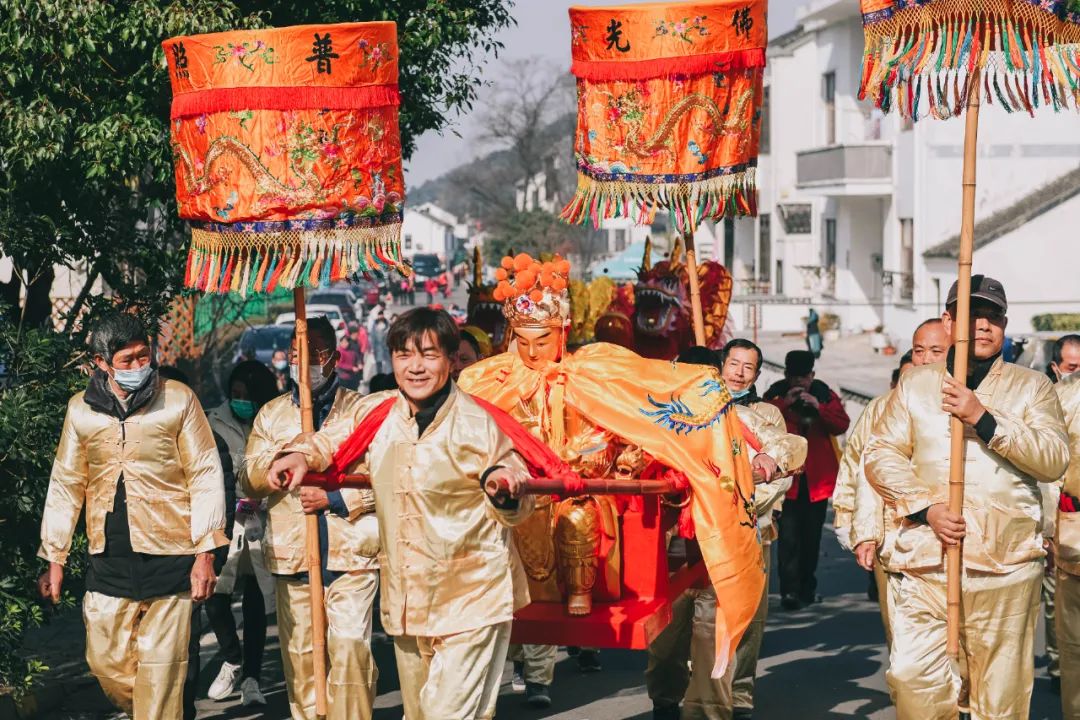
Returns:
<point x="187" y="509"/>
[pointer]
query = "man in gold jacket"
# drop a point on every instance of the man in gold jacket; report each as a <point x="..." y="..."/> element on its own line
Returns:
<point x="349" y="539"/>
<point x="1015" y="439"/>
<point x="451" y="579"/>
<point x="137" y="453"/>
<point x="872" y="525"/>
<point x="690" y="636"/>
<point x="1066" y="367"/>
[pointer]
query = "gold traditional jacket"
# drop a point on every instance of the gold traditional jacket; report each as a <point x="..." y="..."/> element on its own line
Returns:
<point x="788" y="451"/>
<point x="850" y="472"/>
<point x="167" y="455"/>
<point x="448" y="564"/>
<point x="353" y="541"/>
<point x="907" y="462"/>
<point x="1068" y="524"/>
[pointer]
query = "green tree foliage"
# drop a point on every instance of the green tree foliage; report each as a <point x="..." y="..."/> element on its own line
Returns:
<point x="533" y="232"/>
<point x="86" y="181"/>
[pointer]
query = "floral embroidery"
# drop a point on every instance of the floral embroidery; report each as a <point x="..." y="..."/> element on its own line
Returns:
<point x="577" y="34"/>
<point x="683" y="29"/>
<point x="374" y="54"/>
<point x="245" y="54"/>
<point x="244" y="116"/>
<point x="524" y="305"/>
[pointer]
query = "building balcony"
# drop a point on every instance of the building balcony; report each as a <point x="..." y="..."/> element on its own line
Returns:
<point x="846" y="170"/>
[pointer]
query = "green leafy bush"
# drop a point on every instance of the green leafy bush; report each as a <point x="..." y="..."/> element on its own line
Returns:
<point x="1056" y="321"/>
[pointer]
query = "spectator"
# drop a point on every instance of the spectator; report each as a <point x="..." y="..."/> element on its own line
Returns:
<point x="468" y="353"/>
<point x="814" y="411"/>
<point x="813" y="334"/>
<point x="279" y="364"/>
<point x="431" y="287"/>
<point x="250" y="387"/>
<point x="350" y="366"/>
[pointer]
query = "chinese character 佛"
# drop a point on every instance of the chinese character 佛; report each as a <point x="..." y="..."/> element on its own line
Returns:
<point x="742" y="22"/>
<point x="322" y="52"/>
<point x="180" y="60"/>
<point x="614" y="37"/>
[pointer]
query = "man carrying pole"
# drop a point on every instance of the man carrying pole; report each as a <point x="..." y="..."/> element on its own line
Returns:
<point x="1014" y="438"/>
<point x="349" y="542"/>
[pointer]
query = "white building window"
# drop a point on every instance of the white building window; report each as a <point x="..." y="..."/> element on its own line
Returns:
<point x="408" y="242"/>
<point x="907" y="258"/>
<point x="796" y="217"/>
<point x="620" y="240"/>
<point x="764" y="248"/>
<point x="828" y="95"/>
<point x="829" y="261"/>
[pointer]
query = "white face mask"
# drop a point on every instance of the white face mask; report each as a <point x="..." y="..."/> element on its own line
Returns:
<point x="315" y="376"/>
<point x="132" y="380"/>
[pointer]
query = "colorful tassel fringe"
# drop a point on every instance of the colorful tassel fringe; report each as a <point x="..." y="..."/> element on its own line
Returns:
<point x="919" y="59"/>
<point x="249" y="263"/>
<point x="688" y="203"/>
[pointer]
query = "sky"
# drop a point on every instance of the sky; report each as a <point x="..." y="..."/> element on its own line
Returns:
<point x="542" y="31"/>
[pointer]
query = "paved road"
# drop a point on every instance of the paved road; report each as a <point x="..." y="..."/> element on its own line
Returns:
<point x="821" y="663"/>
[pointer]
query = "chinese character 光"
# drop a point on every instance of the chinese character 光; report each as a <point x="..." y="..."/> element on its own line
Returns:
<point x="742" y="22"/>
<point x="322" y="52"/>
<point x="614" y="37"/>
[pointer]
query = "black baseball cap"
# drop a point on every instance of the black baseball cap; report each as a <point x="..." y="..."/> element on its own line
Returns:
<point x="982" y="288"/>
<point x="798" y="363"/>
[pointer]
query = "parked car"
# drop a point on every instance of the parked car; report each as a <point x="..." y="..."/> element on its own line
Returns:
<point x="426" y="265"/>
<point x="261" y="342"/>
<point x="331" y="312"/>
<point x="343" y="297"/>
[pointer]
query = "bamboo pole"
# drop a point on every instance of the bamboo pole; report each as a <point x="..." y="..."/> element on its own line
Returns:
<point x="695" y="290"/>
<point x="961" y="343"/>
<point x="314" y="554"/>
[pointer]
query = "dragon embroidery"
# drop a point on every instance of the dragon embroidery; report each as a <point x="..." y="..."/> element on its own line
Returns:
<point x="726" y="121"/>
<point x="676" y="415"/>
<point x="737" y="496"/>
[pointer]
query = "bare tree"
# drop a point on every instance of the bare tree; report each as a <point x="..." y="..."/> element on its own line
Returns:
<point x="528" y="97"/>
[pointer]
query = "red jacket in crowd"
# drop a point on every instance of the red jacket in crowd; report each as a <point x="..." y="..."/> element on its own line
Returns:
<point x="819" y="427"/>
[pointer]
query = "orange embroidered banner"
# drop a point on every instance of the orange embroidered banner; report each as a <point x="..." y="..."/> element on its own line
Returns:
<point x="669" y="110"/>
<point x="920" y="54"/>
<point x="287" y="152"/>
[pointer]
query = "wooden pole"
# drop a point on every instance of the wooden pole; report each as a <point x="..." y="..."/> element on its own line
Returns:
<point x="695" y="290"/>
<point x="314" y="554"/>
<point x="961" y="333"/>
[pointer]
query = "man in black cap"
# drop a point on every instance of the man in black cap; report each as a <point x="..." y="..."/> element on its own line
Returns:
<point x="815" y="412"/>
<point x="1014" y="440"/>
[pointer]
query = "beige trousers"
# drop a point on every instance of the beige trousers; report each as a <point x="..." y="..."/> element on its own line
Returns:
<point x="539" y="661"/>
<point x="138" y="652"/>
<point x="881" y="579"/>
<point x="452" y="677"/>
<point x="746" y="655"/>
<point x="351" y="682"/>
<point x="997" y="634"/>
<point x="1067" y="606"/>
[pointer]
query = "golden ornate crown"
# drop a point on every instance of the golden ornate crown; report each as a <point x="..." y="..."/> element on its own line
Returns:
<point x="533" y="293"/>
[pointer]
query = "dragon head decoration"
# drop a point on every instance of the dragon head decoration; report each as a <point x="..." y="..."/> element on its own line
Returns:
<point x="483" y="310"/>
<point x="662" y="323"/>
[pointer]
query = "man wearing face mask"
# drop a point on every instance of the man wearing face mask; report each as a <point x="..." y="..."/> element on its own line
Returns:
<point x="1015" y="440"/>
<point x="279" y="363"/>
<point x="451" y="580"/>
<point x="348" y="537"/>
<point x="137" y="454"/>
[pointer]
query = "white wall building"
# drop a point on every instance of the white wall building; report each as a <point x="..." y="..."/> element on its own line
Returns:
<point x="857" y="209"/>
<point x="426" y="229"/>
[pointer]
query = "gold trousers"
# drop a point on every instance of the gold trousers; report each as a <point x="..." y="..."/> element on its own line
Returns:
<point x="746" y="655"/>
<point x="997" y="634"/>
<point x="539" y="662"/>
<point x="1067" y="612"/>
<point x="138" y="650"/>
<point x="689" y="639"/>
<point x="1049" y="589"/>
<point x="351" y="683"/>
<point x="881" y="579"/>
<point x="452" y="677"/>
